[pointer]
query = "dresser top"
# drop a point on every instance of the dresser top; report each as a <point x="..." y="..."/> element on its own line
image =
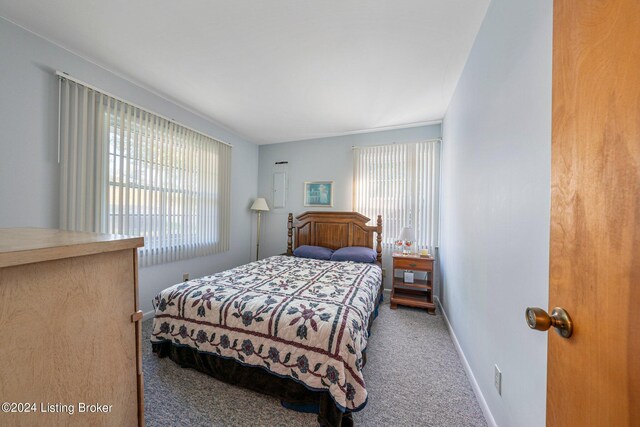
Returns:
<point x="28" y="245"/>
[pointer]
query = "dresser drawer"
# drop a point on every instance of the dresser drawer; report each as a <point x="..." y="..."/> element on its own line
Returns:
<point x="425" y="264"/>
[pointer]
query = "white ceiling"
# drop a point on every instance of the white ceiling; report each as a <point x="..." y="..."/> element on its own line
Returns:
<point x="278" y="70"/>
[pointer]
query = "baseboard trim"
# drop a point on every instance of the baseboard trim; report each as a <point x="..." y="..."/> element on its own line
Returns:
<point x="474" y="384"/>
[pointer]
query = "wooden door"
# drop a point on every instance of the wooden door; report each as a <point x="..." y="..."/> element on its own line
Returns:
<point x="594" y="377"/>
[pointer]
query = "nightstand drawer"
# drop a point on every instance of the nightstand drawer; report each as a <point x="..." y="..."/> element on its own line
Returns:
<point x="425" y="264"/>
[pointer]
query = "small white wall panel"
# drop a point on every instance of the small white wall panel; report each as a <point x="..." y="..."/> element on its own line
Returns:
<point x="279" y="189"/>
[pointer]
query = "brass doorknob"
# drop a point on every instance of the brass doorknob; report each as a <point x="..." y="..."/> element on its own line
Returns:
<point x="538" y="319"/>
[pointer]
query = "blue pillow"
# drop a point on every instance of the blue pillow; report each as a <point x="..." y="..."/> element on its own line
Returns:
<point x="314" y="252"/>
<point x="355" y="254"/>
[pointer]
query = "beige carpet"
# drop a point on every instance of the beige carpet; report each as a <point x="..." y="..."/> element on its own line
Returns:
<point x="413" y="373"/>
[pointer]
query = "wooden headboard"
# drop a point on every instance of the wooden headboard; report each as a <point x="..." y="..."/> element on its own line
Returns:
<point x="333" y="230"/>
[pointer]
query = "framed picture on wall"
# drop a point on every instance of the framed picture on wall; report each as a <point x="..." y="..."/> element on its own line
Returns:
<point x="318" y="194"/>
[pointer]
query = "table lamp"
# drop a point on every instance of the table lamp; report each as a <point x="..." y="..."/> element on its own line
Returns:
<point x="407" y="236"/>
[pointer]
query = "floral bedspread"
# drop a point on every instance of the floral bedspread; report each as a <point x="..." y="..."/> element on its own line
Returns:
<point x="296" y="317"/>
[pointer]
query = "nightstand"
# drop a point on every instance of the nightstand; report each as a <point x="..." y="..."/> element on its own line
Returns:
<point x="417" y="294"/>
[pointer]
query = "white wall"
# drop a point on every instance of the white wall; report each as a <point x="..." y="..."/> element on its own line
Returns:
<point x="28" y="148"/>
<point x="324" y="159"/>
<point x="495" y="206"/>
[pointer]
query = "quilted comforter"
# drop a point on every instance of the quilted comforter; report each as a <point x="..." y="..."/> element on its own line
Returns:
<point x="296" y="317"/>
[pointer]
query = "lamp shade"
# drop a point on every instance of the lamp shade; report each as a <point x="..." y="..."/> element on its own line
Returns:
<point x="259" y="204"/>
<point x="407" y="234"/>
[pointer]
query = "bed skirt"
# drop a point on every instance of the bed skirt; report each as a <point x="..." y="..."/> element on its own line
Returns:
<point x="292" y="394"/>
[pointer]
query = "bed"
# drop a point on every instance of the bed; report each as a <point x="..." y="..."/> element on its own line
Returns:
<point x="294" y="328"/>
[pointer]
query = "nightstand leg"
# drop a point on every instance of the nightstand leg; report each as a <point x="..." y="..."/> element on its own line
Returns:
<point x="394" y="306"/>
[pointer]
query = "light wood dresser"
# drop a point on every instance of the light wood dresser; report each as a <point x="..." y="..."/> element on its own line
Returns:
<point x="70" y="329"/>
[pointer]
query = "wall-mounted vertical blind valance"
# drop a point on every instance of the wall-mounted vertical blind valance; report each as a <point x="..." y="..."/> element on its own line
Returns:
<point x="401" y="183"/>
<point x="124" y="170"/>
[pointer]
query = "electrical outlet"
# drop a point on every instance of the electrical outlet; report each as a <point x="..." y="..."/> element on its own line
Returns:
<point x="497" y="379"/>
<point x="384" y="273"/>
<point x="185" y="277"/>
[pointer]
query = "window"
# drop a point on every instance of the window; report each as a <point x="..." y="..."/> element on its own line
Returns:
<point x="399" y="182"/>
<point x="127" y="171"/>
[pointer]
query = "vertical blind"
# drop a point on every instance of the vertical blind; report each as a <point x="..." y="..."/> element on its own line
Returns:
<point x="401" y="183"/>
<point x="124" y="170"/>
